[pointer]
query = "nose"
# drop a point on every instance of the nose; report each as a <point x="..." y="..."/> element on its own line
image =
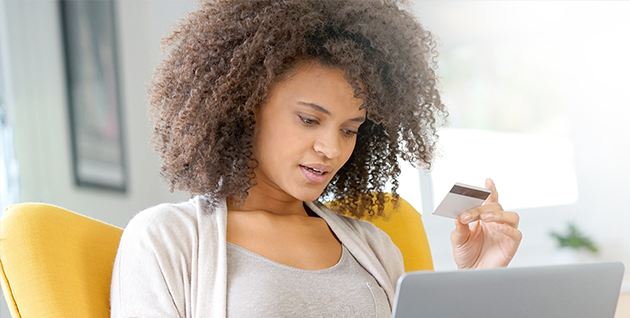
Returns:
<point x="328" y="145"/>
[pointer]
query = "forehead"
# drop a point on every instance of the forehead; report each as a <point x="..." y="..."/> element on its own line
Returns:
<point x="311" y="82"/>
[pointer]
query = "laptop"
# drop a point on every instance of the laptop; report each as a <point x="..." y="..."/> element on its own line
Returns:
<point x="576" y="291"/>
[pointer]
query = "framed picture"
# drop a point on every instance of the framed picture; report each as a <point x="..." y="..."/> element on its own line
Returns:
<point x="89" y="35"/>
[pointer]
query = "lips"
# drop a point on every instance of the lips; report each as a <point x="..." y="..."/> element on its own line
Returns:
<point x="316" y="173"/>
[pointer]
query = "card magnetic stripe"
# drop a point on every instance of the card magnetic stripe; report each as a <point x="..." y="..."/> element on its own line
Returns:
<point x="473" y="193"/>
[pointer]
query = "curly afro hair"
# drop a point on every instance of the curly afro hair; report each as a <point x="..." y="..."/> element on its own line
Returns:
<point x="223" y="60"/>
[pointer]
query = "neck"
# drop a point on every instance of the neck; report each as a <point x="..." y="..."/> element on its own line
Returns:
<point x="276" y="202"/>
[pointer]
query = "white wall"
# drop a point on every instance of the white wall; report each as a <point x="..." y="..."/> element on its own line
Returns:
<point x="40" y="110"/>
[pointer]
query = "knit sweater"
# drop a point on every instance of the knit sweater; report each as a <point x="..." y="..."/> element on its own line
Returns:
<point x="172" y="259"/>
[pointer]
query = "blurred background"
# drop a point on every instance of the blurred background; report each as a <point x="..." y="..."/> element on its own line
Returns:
<point x="538" y="94"/>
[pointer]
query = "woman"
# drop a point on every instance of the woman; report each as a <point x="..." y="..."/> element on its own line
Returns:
<point x="260" y="108"/>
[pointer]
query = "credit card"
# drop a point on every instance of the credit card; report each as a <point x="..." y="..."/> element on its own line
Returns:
<point x="460" y="199"/>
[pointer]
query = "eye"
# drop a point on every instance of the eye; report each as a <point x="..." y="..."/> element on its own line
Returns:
<point x="349" y="133"/>
<point x="308" y="121"/>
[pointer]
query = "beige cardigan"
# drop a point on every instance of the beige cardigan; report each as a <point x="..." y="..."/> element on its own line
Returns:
<point x="172" y="259"/>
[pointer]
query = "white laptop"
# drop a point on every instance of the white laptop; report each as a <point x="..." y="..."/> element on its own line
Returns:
<point x="576" y="291"/>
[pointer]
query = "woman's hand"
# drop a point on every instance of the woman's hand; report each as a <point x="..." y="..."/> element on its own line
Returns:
<point x="486" y="236"/>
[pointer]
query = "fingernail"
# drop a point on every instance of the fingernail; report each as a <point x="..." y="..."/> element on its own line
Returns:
<point x="487" y="216"/>
<point x="466" y="217"/>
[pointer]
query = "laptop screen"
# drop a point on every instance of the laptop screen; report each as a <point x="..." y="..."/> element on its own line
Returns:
<point x="577" y="291"/>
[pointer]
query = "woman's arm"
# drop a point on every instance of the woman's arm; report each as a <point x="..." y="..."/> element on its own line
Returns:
<point x="149" y="277"/>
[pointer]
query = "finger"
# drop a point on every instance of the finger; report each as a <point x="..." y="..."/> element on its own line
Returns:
<point x="474" y="214"/>
<point x="503" y="217"/>
<point x="460" y="234"/>
<point x="511" y="232"/>
<point x="494" y="195"/>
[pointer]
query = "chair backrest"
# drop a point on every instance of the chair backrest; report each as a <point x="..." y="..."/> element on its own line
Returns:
<point x="56" y="263"/>
<point x="404" y="226"/>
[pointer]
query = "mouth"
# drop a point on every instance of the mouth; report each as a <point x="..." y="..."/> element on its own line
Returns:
<point x="316" y="173"/>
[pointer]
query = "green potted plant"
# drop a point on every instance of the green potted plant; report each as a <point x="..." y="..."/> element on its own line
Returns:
<point x="574" y="246"/>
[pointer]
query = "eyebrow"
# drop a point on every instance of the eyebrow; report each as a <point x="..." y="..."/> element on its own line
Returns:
<point x="325" y="111"/>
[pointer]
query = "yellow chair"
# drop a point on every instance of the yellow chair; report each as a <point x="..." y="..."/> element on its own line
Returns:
<point x="404" y="226"/>
<point x="56" y="263"/>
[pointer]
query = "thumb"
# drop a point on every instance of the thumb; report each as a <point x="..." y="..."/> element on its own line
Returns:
<point x="460" y="234"/>
<point x="494" y="195"/>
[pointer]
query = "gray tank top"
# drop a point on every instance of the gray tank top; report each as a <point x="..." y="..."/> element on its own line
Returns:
<point x="260" y="287"/>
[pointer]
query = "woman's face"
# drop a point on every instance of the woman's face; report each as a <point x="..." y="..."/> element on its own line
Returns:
<point x="306" y="132"/>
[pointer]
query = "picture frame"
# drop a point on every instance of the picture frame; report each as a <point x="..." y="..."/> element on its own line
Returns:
<point x="93" y="91"/>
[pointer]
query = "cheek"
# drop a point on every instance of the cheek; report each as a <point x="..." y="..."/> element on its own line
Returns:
<point x="280" y="141"/>
<point x="348" y="150"/>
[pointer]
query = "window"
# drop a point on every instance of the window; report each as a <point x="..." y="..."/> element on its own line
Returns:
<point x="502" y="87"/>
<point x="8" y="163"/>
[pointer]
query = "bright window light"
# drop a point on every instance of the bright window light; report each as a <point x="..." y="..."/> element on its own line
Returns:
<point x="507" y="94"/>
<point x="529" y="170"/>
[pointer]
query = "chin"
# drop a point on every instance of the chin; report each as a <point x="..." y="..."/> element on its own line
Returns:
<point x="308" y="196"/>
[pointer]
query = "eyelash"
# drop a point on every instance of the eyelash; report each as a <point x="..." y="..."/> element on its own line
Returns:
<point x="349" y="133"/>
<point x="309" y="122"/>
